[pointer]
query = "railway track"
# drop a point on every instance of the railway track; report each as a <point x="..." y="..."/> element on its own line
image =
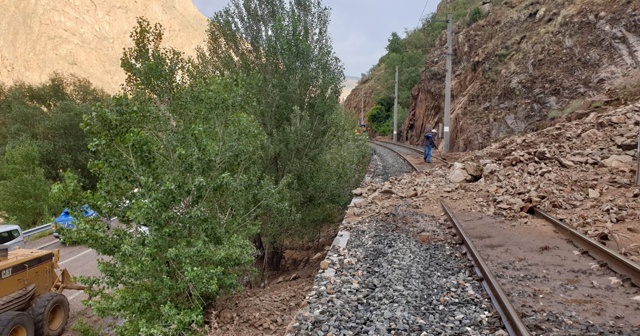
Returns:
<point x="391" y="148"/>
<point x="501" y="303"/>
<point x="597" y="295"/>
<point x="508" y="313"/>
<point x="401" y="148"/>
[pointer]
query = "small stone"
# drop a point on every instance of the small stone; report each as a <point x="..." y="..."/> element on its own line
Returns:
<point x="593" y="194"/>
<point x="619" y="119"/>
<point x="324" y="264"/>
<point x="565" y="163"/>
<point x="317" y="256"/>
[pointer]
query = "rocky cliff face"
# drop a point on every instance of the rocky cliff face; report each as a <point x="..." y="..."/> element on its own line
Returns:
<point x="360" y="98"/>
<point x="86" y="37"/>
<point x="526" y="65"/>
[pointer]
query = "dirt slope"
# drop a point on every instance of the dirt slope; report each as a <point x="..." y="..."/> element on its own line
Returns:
<point x="85" y="37"/>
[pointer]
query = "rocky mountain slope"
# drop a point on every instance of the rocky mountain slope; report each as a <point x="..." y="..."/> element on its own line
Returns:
<point x="526" y="65"/>
<point x="86" y="37"/>
<point x="349" y="84"/>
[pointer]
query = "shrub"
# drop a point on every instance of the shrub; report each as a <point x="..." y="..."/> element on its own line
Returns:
<point x="475" y="15"/>
<point x="23" y="188"/>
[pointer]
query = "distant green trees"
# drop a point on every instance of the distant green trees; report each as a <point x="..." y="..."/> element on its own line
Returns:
<point x="40" y="124"/>
<point x="410" y="62"/>
<point x="408" y="54"/>
<point x="24" y="191"/>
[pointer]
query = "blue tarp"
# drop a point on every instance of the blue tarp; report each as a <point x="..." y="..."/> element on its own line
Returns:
<point x="65" y="219"/>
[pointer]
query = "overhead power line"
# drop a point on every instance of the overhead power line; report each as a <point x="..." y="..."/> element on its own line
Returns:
<point x="421" y="14"/>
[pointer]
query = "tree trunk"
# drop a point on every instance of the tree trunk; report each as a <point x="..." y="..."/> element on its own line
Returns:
<point x="274" y="257"/>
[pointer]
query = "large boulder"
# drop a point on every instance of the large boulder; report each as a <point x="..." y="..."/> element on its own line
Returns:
<point x="474" y="169"/>
<point x="458" y="174"/>
<point x="611" y="161"/>
<point x="619" y="162"/>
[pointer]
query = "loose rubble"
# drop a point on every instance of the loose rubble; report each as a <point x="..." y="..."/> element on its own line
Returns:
<point x="582" y="172"/>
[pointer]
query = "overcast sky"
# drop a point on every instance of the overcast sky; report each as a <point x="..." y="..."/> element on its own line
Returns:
<point x="360" y="28"/>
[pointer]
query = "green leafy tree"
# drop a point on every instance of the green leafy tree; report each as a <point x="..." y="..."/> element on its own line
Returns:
<point x="286" y="46"/>
<point x="380" y="120"/>
<point x="49" y="115"/>
<point x="158" y="71"/>
<point x="410" y="65"/>
<point x="395" y="45"/>
<point x="23" y="188"/>
<point x="182" y="157"/>
<point x="67" y="193"/>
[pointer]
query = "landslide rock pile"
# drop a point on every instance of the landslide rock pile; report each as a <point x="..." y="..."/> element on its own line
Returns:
<point x="86" y="37"/>
<point x="582" y="172"/>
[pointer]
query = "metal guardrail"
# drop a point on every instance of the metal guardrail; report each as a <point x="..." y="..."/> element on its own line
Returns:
<point x="509" y="315"/>
<point x="42" y="228"/>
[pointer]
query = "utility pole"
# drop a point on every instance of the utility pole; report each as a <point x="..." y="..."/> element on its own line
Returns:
<point x="395" y="111"/>
<point x="447" y="97"/>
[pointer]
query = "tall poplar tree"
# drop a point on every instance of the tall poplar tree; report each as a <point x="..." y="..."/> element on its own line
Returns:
<point x="286" y="45"/>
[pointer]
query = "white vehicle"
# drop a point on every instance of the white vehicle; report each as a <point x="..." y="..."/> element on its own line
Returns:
<point x="11" y="236"/>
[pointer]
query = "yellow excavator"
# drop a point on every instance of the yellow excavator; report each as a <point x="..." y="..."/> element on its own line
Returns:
<point x="31" y="299"/>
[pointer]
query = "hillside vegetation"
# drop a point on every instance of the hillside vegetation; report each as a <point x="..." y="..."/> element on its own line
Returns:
<point x="408" y="53"/>
<point x="41" y="143"/>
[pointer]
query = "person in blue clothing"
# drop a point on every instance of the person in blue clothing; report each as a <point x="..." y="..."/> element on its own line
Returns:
<point x="429" y="143"/>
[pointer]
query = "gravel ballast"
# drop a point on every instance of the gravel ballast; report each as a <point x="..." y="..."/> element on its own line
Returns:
<point x="386" y="164"/>
<point x="396" y="279"/>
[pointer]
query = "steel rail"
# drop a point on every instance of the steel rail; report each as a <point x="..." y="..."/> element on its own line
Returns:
<point x="508" y="314"/>
<point x="377" y="143"/>
<point x="402" y="145"/>
<point x="614" y="260"/>
<point x="416" y="150"/>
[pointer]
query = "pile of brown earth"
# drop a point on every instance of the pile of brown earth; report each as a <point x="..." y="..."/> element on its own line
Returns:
<point x="583" y="172"/>
<point x="268" y="307"/>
